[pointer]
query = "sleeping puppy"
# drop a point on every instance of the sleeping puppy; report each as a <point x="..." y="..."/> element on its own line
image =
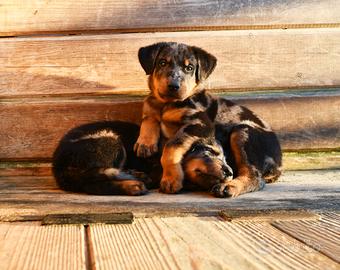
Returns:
<point x="176" y="97"/>
<point x="98" y="158"/>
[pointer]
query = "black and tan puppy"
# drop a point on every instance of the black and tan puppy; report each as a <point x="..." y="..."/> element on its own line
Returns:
<point x="98" y="158"/>
<point x="176" y="72"/>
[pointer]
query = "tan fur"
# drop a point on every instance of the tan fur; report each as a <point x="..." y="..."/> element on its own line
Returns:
<point x="176" y="115"/>
<point x="246" y="181"/>
<point x="101" y="134"/>
<point x="173" y="175"/>
<point x="150" y="128"/>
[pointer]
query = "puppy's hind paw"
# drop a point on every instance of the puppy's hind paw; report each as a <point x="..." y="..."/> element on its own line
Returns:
<point x="135" y="188"/>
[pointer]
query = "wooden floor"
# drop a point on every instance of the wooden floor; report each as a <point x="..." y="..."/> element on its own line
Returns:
<point x="292" y="224"/>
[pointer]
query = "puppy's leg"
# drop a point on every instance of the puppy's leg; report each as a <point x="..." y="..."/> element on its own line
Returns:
<point x="173" y="152"/>
<point x="111" y="181"/>
<point x="248" y="177"/>
<point x="147" y="142"/>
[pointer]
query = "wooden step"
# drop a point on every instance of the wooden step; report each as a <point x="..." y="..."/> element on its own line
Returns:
<point x="104" y="64"/>
<point x="292" y="161"/>
<point x="31" y="128"/>
<point x="20" y="17"/>
<point x="31" y="198"/>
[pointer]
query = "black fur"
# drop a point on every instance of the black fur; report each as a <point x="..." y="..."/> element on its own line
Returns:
<point x="78" y="163"/>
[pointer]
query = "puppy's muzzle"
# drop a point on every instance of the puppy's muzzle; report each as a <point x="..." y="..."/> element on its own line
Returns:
<point x="227" y="172"/>
<point x="173" y="87"/>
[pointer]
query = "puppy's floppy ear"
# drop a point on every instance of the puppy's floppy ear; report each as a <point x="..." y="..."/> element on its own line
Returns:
<point x="206" y="64"/>
<point x="147" y="56"/>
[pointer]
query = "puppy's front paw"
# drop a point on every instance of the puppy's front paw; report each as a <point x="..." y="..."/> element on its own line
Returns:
<point x="170" y="186"/>
<point x="145" y="147"/>
<point x="226" y="189"/>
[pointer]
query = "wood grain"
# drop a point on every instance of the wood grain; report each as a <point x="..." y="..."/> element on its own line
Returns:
<point x="292" y="161"/>
<point x="89" y="218"/>
<point x="25" y="168"/>
<point x="20" y="17"/>
<point x="31" y="198"/>
<point x="200" y="243"/>
<point x="267" y="215"/>
<point x="104" y="64"/>
<point x="323" y="235"/>
<point x="40" y="125"/>
<point x="28" y="246"/>
<point x="31" y="129"/>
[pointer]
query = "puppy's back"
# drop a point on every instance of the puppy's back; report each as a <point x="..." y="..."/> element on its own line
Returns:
<point x="85" y="152"/>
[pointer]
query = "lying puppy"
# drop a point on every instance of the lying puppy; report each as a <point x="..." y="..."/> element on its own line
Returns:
<point x="98" y="158"/>
<point x="176" y="72"/>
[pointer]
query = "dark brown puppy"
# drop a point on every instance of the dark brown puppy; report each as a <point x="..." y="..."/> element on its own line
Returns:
<point x="172" y="108"/>
<point x="98" y="158"/>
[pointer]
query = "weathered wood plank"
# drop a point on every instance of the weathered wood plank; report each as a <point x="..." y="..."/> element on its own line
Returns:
<point x="200" y="243"/>
<point x="25" y="168"/>
<point x="267" y="215"/>
<point x="323" y="235"/>
<point x="89" y="218"/>
<point x="28" y="246"/>
<point x="18" y="17"/>
<point x="108" y="63"/>
<point x="276" y="248"/>
<point x="40" y="125"/>
<point x="292" y="161"/>
<point x="301" y="122"/>
<point x="22" y="198"/>
<point x="311" y="161"/>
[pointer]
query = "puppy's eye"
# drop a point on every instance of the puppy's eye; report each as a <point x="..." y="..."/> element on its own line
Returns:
<point x="162" y="63"/>
<point x="212" y="151"/>
<point x="189" y="68"/>
<point x="197" y="148"/>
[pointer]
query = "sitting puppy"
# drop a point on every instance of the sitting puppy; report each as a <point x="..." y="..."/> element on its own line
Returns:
<point x="176" y="72"/>
<point x="98" y="158"/>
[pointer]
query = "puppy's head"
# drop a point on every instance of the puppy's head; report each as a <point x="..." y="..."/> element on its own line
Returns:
<point x="205" y="166"/>
<point x="175" y="69"/>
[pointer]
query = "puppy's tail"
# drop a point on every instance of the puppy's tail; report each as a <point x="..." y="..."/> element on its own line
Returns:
<point x="271" y="170"/>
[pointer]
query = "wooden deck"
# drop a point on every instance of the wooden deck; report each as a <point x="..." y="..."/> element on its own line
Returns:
<point x="292" y="224"/>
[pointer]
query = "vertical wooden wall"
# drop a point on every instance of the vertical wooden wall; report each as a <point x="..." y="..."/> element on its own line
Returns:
<point x="64" y="63"/>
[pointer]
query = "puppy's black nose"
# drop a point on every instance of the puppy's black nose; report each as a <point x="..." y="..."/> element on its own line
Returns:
<point x="173" y="87"/>
<point x="227" y="171"/>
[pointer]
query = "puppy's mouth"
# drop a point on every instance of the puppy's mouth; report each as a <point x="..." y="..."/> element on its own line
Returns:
<point x="221" y="176"/>
<point x="170" y="96"/>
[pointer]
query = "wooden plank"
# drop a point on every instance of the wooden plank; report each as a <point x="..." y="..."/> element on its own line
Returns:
<point x="323" y="235"/>
<point x="17" y="17"/>
<point x="89" y="218"/>
<point x="301" y="122"/>
<point x="40" y="125"/>
<point x="311" y="161"/>
<point x="267" y="215"/>
<point x="27" y="246"/>
<point x="292" y="161"/>
<point x="25" y="168"/>
<point x="200" y="243"/>
<point x="105" y="64"/>
<point x="23" y="198"/>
